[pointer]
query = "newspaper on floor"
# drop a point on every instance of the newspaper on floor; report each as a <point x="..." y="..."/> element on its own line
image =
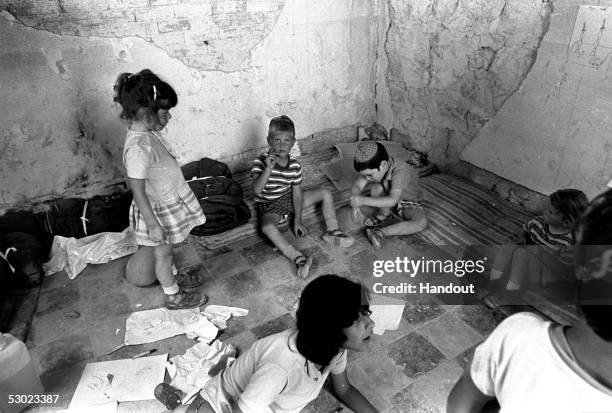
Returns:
<point x="158" y="324"/>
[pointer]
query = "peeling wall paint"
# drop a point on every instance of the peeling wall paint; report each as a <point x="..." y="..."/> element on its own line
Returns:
<point x="445" y="67"/>
<point x="555" y="131"/>
<point x="60" y="130"/>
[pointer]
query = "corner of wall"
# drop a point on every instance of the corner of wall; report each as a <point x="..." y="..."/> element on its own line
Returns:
<point x="382" y="99"/>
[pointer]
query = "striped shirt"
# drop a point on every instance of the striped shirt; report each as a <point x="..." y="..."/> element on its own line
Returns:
<point x="556" y="244"/>
<point x="280" y="181"/>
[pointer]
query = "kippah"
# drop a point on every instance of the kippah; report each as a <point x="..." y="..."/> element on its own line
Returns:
<point x="366" y="150"/>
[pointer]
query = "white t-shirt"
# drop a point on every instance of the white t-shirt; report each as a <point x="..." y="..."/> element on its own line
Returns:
<point x="272" y="376"/>
<point x="146" y="156"/>
<point x="528" y="366"/>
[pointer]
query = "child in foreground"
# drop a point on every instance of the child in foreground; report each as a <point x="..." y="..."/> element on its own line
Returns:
<point x="277" y="179"/>
<point x="530" y="364"/>
<point x="395" y="186"/>
<point x="284" y="372"/>
<point x="164" y="209"/>
<point x="547" y="248"/>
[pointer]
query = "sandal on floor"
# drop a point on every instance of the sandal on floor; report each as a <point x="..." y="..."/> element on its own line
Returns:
<point x="188" y="299"/>
<point x="169" y="396"/>
<point x="189" y="278"/>
<point x="376" y="220"/>
<point x="376" y="237"/>
<point x="303" y="264"/>
<point x="338" y="238"/>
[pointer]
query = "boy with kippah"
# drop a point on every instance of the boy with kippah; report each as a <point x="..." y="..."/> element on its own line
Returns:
<point x="277" y="184"/>
<point x="394" y="185"/>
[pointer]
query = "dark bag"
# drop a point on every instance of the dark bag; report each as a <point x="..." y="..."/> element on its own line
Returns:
<point x="205" y="167"/>
<point x="35" y="224"/>
<point x="24" y="255"/>
<point x="221" y="199"/>
<point x="109" y="213"/>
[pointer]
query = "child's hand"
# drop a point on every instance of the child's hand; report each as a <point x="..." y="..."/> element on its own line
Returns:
<point x="270" y="161"/>
<point x="156" y="233"/>
<point x="299" y="230"/>
<point x="355" y="201"/>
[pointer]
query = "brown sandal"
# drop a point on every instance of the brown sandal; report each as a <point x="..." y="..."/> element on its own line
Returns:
<point x="303" y="264"/>
<point x="189" y="278"/>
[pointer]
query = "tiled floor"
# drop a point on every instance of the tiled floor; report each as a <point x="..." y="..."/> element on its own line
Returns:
<point x="408" y="370"/>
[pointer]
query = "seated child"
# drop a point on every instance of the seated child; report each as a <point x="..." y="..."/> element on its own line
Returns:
<point x="277" y="179"/>
<point x="394" y="185"/>
<point x="532" y="365"/>
<point x="548" y="240"/>
<point x="283" y="372"/>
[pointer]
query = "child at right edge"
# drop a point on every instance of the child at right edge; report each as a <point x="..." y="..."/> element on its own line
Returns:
<point x="394" y="185"/>
<point x="545" y="254"/>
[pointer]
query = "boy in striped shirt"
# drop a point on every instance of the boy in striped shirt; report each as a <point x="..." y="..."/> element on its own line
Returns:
<point x="277" y="179"/>
<point x="546" y="252"/>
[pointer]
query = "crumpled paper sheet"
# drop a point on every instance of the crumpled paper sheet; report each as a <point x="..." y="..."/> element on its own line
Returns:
<point x="72" y="255"/>
<point x="153" y="325"/>
<point x="219" y="314"/>
<point x="190" y="372"/>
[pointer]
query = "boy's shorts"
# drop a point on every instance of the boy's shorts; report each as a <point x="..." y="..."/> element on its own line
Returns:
<point x="405" y="208"/>
<point x="282" y="206"/>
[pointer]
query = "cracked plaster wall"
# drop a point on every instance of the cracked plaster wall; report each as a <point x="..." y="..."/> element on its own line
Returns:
<point x="234" y="63"/>
<point x="555" y="131"/>
<point x="446" y="67"/>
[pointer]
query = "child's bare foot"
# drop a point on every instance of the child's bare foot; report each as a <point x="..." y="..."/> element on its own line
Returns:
<point x="303" y="264"/>
<point x="183" y="300"/>
<point x="338" y="238"/>
<point x="376" y="237"/>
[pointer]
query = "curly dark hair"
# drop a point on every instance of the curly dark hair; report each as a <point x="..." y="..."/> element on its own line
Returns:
<point x="143" y="94"/>
<point x="328" y="304"/>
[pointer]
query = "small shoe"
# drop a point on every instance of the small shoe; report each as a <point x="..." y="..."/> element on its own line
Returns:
<point x="338" y="238"/>
<point x="376" y="237"/>
<point x="376" y="220"/>
<point x="169" y="396"/>
<point x="190" y="278"/>
<point x="303" y="264"/>
<point x="185" y="299"/>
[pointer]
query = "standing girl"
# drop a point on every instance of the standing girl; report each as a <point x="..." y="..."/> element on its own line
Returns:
<point x="164" y="209"/>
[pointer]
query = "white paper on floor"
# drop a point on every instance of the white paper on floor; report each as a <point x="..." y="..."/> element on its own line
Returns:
<point x="110" y="407"/>
<point x="386" y="313"/>
<point x="153" y="325"/>
<point x="219" y="314"/>
<point x="119" y="380"/>
<point x="190" y="371"/>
